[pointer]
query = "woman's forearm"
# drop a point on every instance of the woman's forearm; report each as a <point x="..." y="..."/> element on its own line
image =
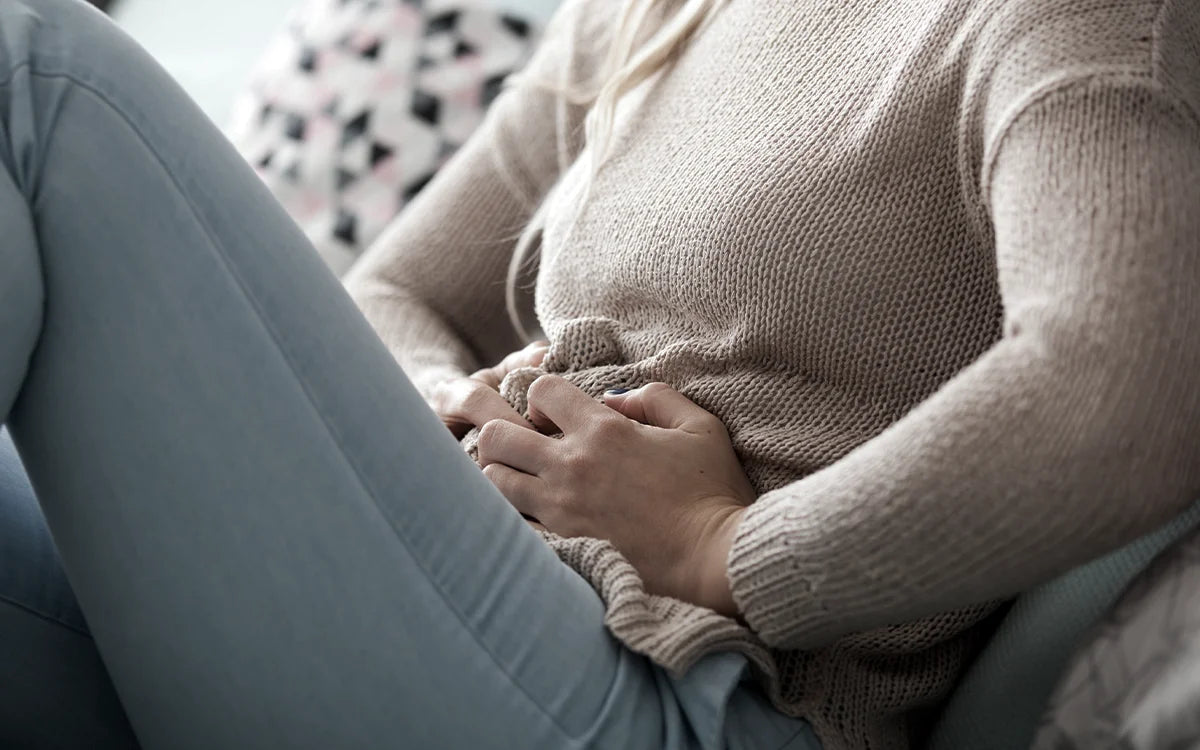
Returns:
<point x="428" y="350"/>
<point x="1017" y="471"/>
<point x="433" y="285"/>
<point x="1075" y="433"/>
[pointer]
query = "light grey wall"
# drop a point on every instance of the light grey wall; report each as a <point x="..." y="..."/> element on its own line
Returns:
<point x="208" y="46"/>
<point x="540" y="9"/>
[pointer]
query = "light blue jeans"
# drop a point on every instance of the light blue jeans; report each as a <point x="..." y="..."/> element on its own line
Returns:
<point x="273" y="540"/>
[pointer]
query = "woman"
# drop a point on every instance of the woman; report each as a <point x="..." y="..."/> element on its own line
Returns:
<point x="861" y="317"/>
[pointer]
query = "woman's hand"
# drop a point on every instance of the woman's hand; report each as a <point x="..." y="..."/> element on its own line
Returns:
<point x="648" y="470"/>
<point x="473" y="401"/>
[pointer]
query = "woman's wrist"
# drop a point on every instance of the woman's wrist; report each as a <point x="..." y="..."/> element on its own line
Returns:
<point x="713" y="588"/>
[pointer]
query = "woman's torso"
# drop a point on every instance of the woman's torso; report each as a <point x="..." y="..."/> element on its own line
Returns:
<point x="787" y="230"/>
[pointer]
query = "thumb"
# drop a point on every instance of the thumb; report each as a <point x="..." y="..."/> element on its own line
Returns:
<point x="655" y="404"/>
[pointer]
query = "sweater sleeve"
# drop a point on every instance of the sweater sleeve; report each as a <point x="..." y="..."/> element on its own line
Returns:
<point x="1078" y="431"/>
<point x="433" y="285"/>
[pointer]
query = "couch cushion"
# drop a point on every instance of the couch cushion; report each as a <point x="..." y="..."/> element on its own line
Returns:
<point x="357" y="103"/>
<point x="1001" y="698"/>
<point x="1136" y="684"/>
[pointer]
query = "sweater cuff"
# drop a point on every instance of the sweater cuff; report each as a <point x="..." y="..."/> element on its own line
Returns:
<point x="776" y="577"/>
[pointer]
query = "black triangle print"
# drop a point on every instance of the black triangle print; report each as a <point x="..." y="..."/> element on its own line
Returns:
<point x="344" y="178"/>
<point x="492" y="88"/>
<point x="442" y="22"/>
<point x="332" y="107"/>
<point x="426" y="107"/>
<point x="415" y="187"/>
<point x="462" y="49"/>
<point x="372" y="52"/>
<point x="356" y="127"/>
<point x="346" y="227"/>
<point x="379" y="152"/>
<point x="308" y="59"/>
<point x="292" y="173"/>
<point x="518" y="26"/>
<point x="425" y="61"/>
<point x="295" y="127"/>
<point x="265" y="161"/>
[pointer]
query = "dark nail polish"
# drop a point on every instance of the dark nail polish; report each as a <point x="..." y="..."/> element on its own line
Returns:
<point x="616" y="391"/>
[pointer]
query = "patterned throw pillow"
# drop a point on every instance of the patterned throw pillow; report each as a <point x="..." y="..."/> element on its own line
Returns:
<point x="1136" y="685"/>
<point x="356" y="105"/>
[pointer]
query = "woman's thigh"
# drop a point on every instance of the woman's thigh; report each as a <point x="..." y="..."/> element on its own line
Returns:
<point x="55" y="692"/>
<point x="274" y="541"/>
<point x="60" y="696"/>
<point x="31" y="574"/>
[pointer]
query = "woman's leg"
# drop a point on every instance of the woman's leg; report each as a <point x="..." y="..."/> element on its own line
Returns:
<point x="55" y="692"/>
<point x="275" y="543"/>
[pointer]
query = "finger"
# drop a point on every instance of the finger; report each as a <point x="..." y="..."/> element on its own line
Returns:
<point x="471" y="402"/>
<point x="659" y="405"/>
<point x="531" y="356"/>
<point x="556" y="403"/>
<point x="489" y="376"/>
<point x="523" y="449"/>
<point x="523" y="491"/>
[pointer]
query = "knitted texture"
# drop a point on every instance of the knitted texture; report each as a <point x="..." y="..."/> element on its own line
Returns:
<point x="932" y="263"/>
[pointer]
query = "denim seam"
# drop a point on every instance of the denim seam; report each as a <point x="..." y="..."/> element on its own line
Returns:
<point x="43" y="616"/>
<point x="17" y="68"/>
<point x="219" y="253"/>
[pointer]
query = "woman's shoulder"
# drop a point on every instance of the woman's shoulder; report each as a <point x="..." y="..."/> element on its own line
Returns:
<point x="1031" y="40"/>
<point x="1176" y="61"/>
<point x="1022" y="50"/>
<point x="1081" y="31"/>
<point x="573" y="44"/>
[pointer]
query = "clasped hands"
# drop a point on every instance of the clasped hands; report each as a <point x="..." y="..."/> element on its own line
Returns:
<point x="645" y="469"/>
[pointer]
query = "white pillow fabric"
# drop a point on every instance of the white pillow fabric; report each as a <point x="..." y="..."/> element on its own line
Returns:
<point x="1136" y="684"/>
<point x="357" y="103"/>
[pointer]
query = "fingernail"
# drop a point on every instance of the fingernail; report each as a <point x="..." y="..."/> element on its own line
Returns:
<point x="616" y="391"/>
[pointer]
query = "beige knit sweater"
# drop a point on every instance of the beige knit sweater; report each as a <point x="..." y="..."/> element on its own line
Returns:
<point x="935" y="264"/>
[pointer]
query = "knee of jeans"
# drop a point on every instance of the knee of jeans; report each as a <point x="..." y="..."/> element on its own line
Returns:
<point x="31" y="574"/>
<point x="33" y="31"/>
<point x="48" y="49"/>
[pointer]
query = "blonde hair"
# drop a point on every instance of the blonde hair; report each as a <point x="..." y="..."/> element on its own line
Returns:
<point x="625" y="67"/>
